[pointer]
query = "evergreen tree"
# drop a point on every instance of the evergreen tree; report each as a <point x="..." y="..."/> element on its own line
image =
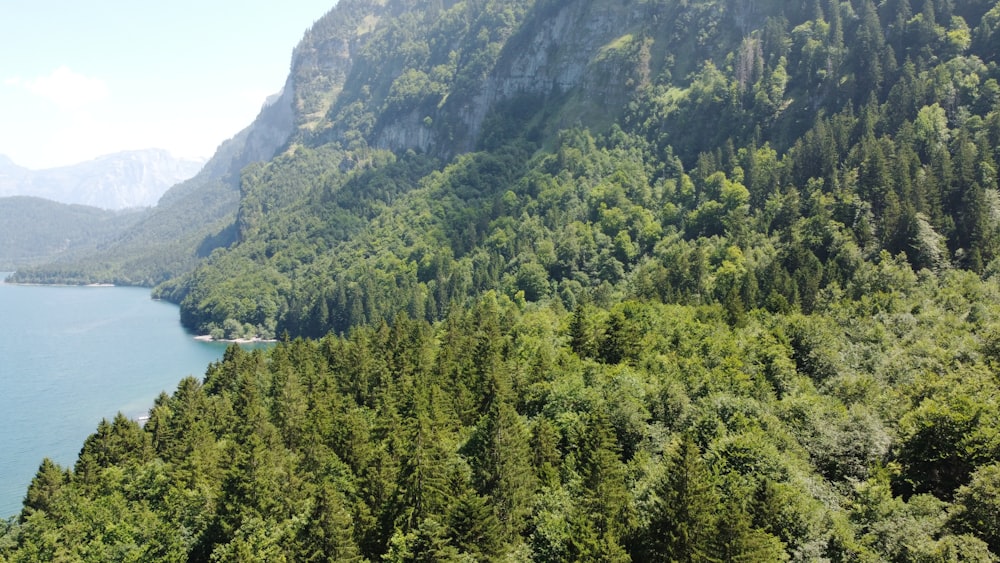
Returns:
<point x="329" y="532"/>
<point x="474" y="527"/>
<point x="43" y="492"/>
<point x="582" y="333"/>
<point x="501" y="460"/>
<point x="872" y="62"/>
<point x="545" y="452"/>
<point x="684" y="517"/>
<point x="428" y="543"/>
<point x="604" y="497"/>
<point x="120" y="442"/>
<point x="423" y="479"/>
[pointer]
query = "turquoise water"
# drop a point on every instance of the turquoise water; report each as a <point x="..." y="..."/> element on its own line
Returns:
<point x="70" y="356"/>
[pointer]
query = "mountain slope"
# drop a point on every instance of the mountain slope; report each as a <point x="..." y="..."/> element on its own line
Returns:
<point x="595" y="280"/>
<point x="611" y="143"/>
<point x="35" y="230"/>
<point x="189" y="221"/>
<point x="115" y="181"/>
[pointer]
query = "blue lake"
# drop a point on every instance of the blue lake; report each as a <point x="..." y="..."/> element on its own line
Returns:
<point x="70" y="356"/>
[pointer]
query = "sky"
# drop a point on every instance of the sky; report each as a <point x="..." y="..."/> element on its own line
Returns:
<point x="82" y="79"/>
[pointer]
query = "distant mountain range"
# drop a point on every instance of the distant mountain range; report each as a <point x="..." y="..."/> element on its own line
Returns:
<point x="116" y="181"/>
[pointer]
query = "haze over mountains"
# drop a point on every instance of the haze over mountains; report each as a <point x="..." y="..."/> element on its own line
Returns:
<point x="116" y="181"/>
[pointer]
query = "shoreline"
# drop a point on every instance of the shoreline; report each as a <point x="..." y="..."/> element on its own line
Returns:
<point x="5" y="274"/>
<point x="254" y="340"/>
<point x="36" y="284"/>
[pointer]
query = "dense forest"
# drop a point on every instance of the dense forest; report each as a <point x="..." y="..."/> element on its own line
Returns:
<point x="597" y="280"/>
<point x="507" y="431"/>
<point x="766" y="175"/>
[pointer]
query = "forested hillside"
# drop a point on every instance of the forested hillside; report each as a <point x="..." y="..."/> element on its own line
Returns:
<point x="34" y="230"/>
<point x="752" y="154"/>
<point x="593" y="280"/>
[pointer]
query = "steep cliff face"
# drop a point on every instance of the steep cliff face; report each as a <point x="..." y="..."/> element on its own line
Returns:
<point x="548" y="49"/>
<point x="319" y="68"/>
<point x="325" y="58"/>
<point x="427" y="74"/>
<point x="565" y="49"/>
<point x="434" y="76"/>
<point x="269" y="131"/>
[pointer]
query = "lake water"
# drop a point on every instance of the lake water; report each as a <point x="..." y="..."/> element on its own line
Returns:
<point x="70" y="356"/>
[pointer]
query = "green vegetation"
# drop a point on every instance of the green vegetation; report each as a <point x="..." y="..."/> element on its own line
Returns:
<point x="167" y="240"/>
<point x="190" y="220"/>
<point x="514" y="431"/>
<point x="34" y="230"/>
<point x="763" y="178"/>
<point x="717" y="282"/>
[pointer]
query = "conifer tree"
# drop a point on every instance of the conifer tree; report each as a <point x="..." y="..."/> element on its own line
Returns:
<point x="44" y="489"/>
<point x="474" y="527"/>
<point x="428" y="543"/>
<point x="685" y="513"/>
<point x="582" y="333"/>
<point x="423" y="479"/>
<point x="120" y="442"/>
<point x="604" y="497"/>
<point x="870" y="61"/>
<point x="501" y="460"/>
<point x="328" y="534"/>
<point x="545" y="452"/>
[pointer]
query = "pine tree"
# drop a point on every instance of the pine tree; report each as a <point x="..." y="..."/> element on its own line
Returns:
<point x="739" y="542"/>
<point x="423" y="479"/>
<point x="685" y="514"/>
<point x="870" y="47"/>
<point x="474" y="527"/>
<point x="604" y="496"/>
<point x="545" y="452"/>
<point x="428" y="543"/>
<point x="874" y="180"/>
<point x="329" y="532"/>
<point x="904" y="13"/>
<point x="252" y="486"/>
<point x="836" y="48"/>
<point x="44" y="489"/>
<point x="617" y="342"/>
<point x="120" y="442"/>
<point x="289" y="392"/>
<point x="582" y="335"/>
<point x="501" y="460"/>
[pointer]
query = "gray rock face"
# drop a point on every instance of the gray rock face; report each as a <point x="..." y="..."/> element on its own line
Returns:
<point x="564" y="50"/>
<point x="117" y="181"/>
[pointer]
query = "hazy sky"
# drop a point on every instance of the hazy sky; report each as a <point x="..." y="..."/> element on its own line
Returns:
<point x="80" y="79"/>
